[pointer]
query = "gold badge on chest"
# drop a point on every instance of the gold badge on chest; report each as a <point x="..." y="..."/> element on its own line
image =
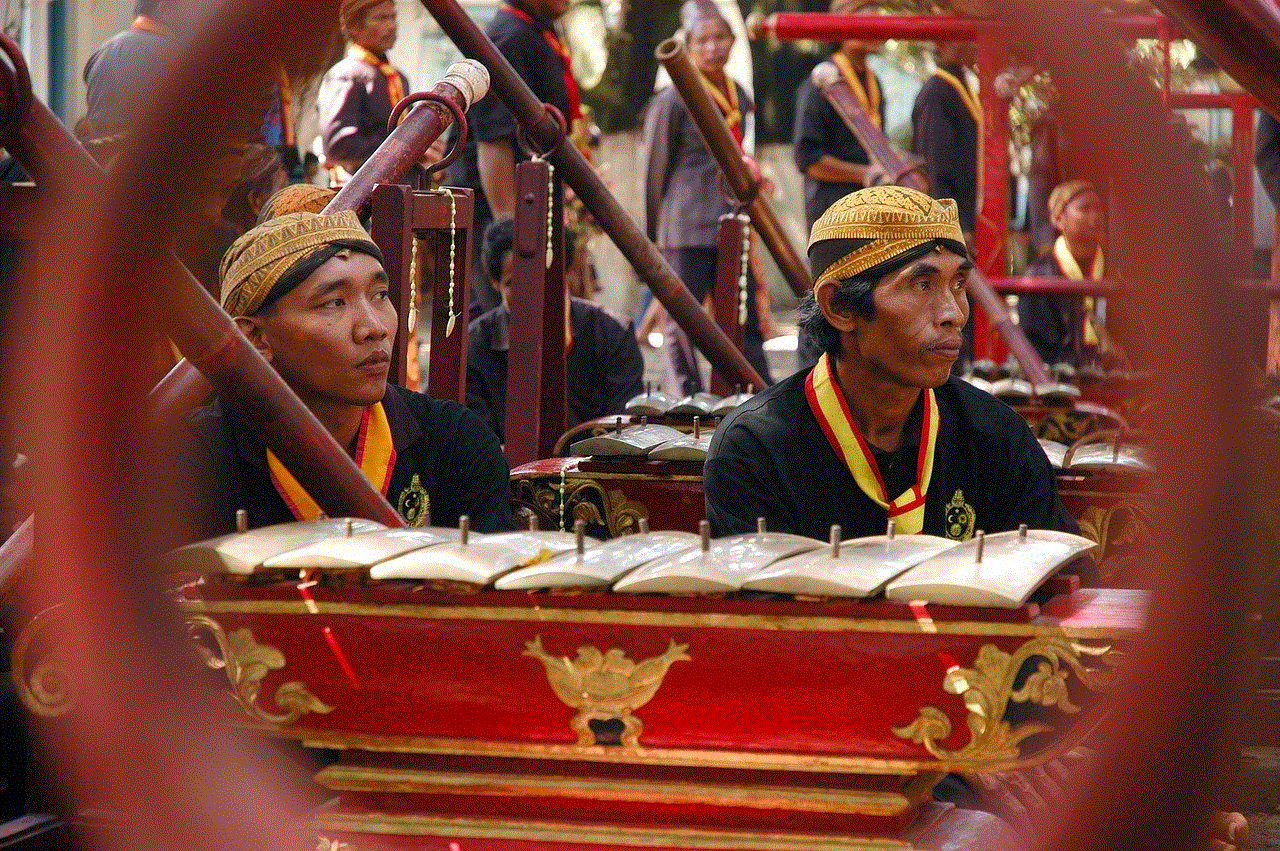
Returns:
<point x="961" y="517"/>
<point x="414" y="504"/>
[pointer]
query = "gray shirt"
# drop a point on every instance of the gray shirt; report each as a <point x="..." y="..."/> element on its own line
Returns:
<point x="120" y="75"/>
<point x="683" y="196"/>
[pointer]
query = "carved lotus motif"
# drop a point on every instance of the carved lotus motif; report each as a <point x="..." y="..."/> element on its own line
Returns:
<point x="605" y="686"/>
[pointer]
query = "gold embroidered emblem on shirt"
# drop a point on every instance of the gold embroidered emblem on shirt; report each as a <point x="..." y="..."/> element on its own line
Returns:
<point x="960" y="517"/>
<point x="414" y="504"/>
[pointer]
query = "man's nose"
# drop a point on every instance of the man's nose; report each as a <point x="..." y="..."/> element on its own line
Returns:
<point x="370" y="323"/>
<point x="953" y="308"/>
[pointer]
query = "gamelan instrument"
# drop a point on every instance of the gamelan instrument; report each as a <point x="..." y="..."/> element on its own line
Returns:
<point x="493" y="686"/>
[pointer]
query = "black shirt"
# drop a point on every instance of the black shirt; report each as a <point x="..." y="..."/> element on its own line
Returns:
<point x="1051" y="322"/>
<point x="945" y="135"/>
<point x="537" y="63"/>
<point x="603" y="368"/>
<point x="771" y="459"/>
<point x="447" y="464"/>
<point x="819" y="130"/>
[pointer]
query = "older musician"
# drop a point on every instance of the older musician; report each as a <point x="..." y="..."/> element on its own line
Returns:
<point x="309" y="291"/>
<point x="357" y="94"/>
<point x="879" y="429"/>
<point x="683" y="196"/>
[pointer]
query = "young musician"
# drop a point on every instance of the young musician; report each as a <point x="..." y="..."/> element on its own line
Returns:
<point x="310" y="293"/>
<point x="1059" y="326"/>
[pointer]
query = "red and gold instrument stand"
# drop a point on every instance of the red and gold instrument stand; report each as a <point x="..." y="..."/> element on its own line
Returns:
<point x="509" y="720"/>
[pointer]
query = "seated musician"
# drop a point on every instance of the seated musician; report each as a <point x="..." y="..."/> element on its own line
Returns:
<point x="878" y="428"/>
<point x="309" y="291"/>
<point x="603" y="366"/>
<point x="1059" y="326"/>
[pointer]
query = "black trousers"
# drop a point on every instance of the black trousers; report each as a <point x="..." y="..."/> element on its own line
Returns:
<point x="696" y="267"/>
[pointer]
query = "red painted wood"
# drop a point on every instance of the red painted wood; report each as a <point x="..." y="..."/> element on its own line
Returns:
<point x="726" y="292"/>
<point x="536" y="401"/>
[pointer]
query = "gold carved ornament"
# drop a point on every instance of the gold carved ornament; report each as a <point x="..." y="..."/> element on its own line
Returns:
<point x="586" y="499"/>
<point x="1123" y="533"/>
<point x="246" y="664"/>
<point x="605" y="686"/>
<point x="988" y="689"/>
<point x="324" y="843"/>
<point x="46" y="688"/>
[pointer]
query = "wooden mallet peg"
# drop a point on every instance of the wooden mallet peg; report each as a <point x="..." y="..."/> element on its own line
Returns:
<point x="697" y="427"/>
<point x="1022" y="531"/>
<point x="464" y="529"/>
<point x="644" y="421"/>
<point x="704" y="530"/>
<point x="890" y="530"/>
<point x="643" y="525"/>
<point x="980" y="537"/>
<point x="347" y="529"/>
<point x="242" y="520"/>
<point x="579" y="534"/>
<point x="760" y="526"/>
<point x="835" y="540"/>
<point x="617" y="426"/>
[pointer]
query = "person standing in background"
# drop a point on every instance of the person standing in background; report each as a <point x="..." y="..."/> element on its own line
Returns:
<point x="683" y="197"/>
<point x="357" y="94"/>
<point x="524" y="34"/>
<point x="946" y="121"/>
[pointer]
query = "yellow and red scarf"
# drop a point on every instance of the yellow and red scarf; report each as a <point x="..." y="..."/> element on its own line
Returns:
<point x="727" y="102"/>
<point x="868" y="95"/>
<point x="395" y="86"/>
<point x="570" y="84"/>
<point x="832" y="413"/>
<point x="1071" y="270"/>
<point x="375" y="454"/>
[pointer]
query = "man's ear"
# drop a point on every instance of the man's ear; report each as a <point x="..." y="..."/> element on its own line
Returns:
<point x="251" y="327"/>
<point x="841" y="318"/>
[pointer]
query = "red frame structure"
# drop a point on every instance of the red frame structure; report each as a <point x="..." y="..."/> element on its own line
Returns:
<point x="992" y="57"/>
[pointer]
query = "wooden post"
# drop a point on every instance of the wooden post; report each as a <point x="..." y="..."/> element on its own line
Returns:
<point x="726" y="295"/>
<point x="536" y="358"/>
<point x="444" y="221"/>
<point x="991" y="225"/>
<point x="392" y="203"/>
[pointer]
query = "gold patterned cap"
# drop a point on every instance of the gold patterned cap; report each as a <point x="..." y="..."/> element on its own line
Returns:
<point x="256" y="262"/>
<point x="894" y="218"/>
<point x="297" y="198"/>
<point x="1063" y="194"/>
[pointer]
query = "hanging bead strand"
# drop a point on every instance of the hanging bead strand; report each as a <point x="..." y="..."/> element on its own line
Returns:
<point x="743" y="270"/>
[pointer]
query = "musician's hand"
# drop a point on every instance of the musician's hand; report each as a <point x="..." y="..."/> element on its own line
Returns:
<point x="1227" y="831"/>
<point x="875" y="175"/>
<point x="436" y="152"/>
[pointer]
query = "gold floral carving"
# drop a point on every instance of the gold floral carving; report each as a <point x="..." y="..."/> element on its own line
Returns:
<point x="990" y="687"/>
<point x="247" y="663"/>
<point x="1067" y="426"/>
<point x="1123" y="533"/>
<point x="324" y="843"/>
<point x="607" y="513"/>
<point x="605" y="686"/>
<point x="45" y="689"/>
